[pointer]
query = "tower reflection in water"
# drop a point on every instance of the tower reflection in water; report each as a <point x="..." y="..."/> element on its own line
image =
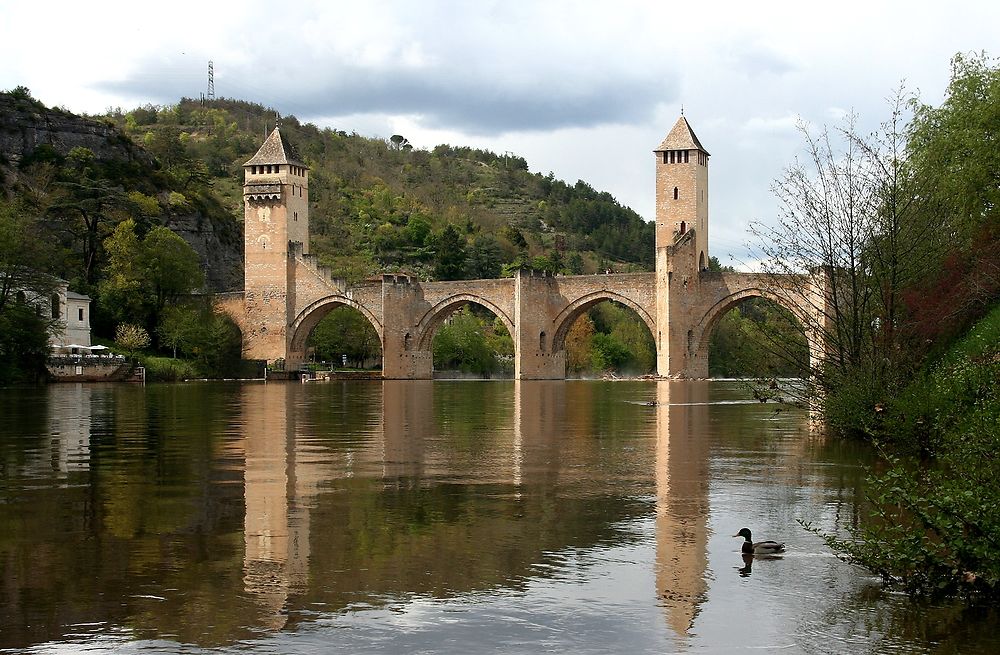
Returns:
<point x="682" y="506"/>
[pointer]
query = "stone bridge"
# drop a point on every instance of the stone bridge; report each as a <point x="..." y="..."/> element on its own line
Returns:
<point x="286" y="293"/>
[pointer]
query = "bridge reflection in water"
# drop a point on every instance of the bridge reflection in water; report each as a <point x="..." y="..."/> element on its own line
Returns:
<point x="407" y="516"/>
<point x="682" y="507"/>
<point x="464" y="513"/>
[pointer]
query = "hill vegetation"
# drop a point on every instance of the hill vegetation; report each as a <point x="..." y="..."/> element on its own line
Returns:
<point x="381" y="205"/>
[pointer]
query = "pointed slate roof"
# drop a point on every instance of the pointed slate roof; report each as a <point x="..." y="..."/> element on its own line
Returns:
<point x="681" y="137"/>
<point x="275" y="150"/>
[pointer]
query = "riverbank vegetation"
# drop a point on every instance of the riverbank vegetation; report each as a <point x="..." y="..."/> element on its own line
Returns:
<point x="935" y="518"/>
<point x="902" y="225"/>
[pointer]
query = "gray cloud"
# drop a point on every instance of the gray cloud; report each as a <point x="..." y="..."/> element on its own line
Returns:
<point x="442" y="98"/>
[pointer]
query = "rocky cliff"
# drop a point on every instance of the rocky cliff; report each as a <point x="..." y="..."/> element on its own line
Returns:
<point x="27" y="125"/>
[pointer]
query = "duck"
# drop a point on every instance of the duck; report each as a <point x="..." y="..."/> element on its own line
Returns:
<point x="759" y="548"/>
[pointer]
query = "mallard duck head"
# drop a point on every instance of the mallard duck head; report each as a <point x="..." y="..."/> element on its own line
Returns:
<point x="745" y="533"/>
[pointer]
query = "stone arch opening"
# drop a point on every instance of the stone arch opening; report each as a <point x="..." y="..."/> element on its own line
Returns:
<point x="605" y="333"/>
<point x="339" y="333"/>
<point x="468" y="338"/>
<point x="433" y="318"/>
<point x="752" y="334"/>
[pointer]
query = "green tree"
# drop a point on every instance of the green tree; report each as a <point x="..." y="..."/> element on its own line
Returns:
<point x="450" y="258"/>
<point x="634" y="335"/>
<point x="173" y="268"/>
<point x="211" y="340"/>
<point x="345" y="331"/>
<point x="131" y="337"/>
<point x="86" y="201"/>
<point x="143" y="275"/>
<point x="178" y="328"/>
<point x="485" y="258"/>
<point x="579" y="344"/>
<point x="954" y="162"/>
<point x="462" y="344"/>
<point x="24" y="329"/>
<point x="24" y="344"/>
<point x="757" y="339"/>
<point x="608" y="353"/>
<point x="24" y="254"/>
<point x="952" y="151"/>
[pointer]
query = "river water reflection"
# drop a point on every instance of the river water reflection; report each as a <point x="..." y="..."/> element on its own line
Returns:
<point x="439" y="516"/>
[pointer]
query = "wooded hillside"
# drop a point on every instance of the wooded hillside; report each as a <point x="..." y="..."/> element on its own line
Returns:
<point x="381" y="205"/>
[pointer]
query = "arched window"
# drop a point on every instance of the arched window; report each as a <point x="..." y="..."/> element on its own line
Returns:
<point x="676" y="193"/>
<point x="407" y="341"/>
<point x="541" y="341"/>
<point x="701" y="261"/>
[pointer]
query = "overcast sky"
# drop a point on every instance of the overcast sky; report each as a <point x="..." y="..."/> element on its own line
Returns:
<point x="584" y="89"/>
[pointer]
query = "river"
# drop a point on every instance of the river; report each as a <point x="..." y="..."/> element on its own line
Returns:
<point x="436" y="517"/>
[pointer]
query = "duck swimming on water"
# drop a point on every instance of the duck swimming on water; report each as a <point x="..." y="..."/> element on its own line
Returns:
<point x="759" y="548"/>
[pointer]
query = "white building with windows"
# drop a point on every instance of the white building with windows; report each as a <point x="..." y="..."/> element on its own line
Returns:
<point x="72" y="315"/>
<point x="69" y="311"/>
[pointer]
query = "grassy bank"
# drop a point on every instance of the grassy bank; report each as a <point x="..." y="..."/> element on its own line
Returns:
<point x="934" y="526"/>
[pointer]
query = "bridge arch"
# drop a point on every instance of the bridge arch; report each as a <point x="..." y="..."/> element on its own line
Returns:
<point x="698" y="338"/>
<point x="564" y="321"/>
<point x="436" y="315"/>
<point x="309" y="317"/>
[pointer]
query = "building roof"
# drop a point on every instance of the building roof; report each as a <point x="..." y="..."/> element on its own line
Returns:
<point x="275" y="150"/>
<point x="681" y="137"/>
<point x="72" y="295"/>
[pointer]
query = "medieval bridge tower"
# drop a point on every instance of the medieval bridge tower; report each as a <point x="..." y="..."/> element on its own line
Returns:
<point x="286" y="292"/>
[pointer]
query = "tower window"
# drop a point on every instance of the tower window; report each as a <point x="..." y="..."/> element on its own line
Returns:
<point x="541" y="341"/>
<point x="79" y="313"/>
<point x="665" y="157"/>
<point x="675" y="193"/>
<point x="685" y="156"/>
